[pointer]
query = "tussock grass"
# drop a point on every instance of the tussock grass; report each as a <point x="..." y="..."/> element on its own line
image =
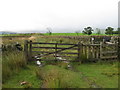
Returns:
<point x="12" y="62"/>
<point x="57" y="77"/>
<point x="28" y="75"/>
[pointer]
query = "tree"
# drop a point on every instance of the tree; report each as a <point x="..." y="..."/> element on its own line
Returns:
<point x="49" y="30"/>
<point x="98" y="31"/>
<point x="109" y="30"/>
<point x="88" y="30"/>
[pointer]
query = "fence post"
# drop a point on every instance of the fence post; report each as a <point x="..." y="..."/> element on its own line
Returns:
<point x="118" y="49"/>
<point x="26" y="49"/>
<point x="92" y="40"/>
<point x="30" y="50"/>
<point x="56" y="51"/>
<point x="101" y="43"/>
<point x="79" y="53"/>
<point x="93" y="51"/>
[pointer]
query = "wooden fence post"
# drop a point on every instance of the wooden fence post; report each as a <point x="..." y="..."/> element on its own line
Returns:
<point x="26" y="49"/>
<point x="93" y="51"/>
<point x="30" y="50"/>
<point x="101" y="43"/>
<point x="118" y="49"/>
<point x="92" y="40"/>
<point x="56" y="51"/>
<point x="79" y="53"/>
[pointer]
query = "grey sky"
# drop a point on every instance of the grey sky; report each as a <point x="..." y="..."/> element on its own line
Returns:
<point x="60" y="15"/>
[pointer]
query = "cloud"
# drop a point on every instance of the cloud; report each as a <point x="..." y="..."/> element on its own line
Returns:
<point x="20" y="15"/>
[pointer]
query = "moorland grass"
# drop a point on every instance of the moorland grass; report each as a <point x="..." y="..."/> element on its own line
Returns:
<point x="104" y="74"/>
<point x="28" y="75"/>
<point x="79" y="34"/>
<point x="57" y="77"/>
<point x="12" y="62"/>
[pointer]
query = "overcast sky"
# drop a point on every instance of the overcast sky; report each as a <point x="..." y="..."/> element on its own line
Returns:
<point x="59" y="15"/>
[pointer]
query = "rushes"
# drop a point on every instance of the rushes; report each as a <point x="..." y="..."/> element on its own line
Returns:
<point x="11" y="63"/>
<point x="57" y="77"/>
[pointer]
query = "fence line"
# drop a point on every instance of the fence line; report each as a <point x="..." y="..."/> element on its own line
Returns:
<point x="84" y="51"/>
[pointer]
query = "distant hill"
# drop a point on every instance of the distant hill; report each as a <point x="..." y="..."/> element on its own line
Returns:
<point x="7" y="32"/>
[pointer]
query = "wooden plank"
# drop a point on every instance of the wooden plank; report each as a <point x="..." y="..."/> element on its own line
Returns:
<point x="60" y="60"/>
<point x="85" y="51"/>
<point x="105" y="45"/>
<point x="88" y="51"/>
<point x="109" y="57"/>
<point x="101" y="43"/>
<point x="26" y="49"/>
<point x="67" y="56"/>
<point x="97" y="51"/>
<point x="54" y="48"/>
<point x="118" y="51"/>
<point x="45" y="47"/>
<point x="109" y="52"/>
<point x="79" y="51"/>
<point x="52" y="43"/>
<point x="91" y="44"/>
<point x="57" y="56"/>
<point x="67" y="53"/>
<point x="93" y="51"/>
<point x="42" y="52"/>
<point x="30" y="50"/>
<point x="54" y="52"/>
<point x="62" y="49"/>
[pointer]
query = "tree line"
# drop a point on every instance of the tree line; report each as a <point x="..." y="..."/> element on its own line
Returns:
<point x="89" y="31"/>
<point x="108" y="31"/>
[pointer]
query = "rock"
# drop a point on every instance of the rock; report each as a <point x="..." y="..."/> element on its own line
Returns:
<point x="23" y="83"/>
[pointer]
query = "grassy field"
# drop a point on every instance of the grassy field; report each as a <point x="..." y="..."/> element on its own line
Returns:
<point x="57" y="34"/>
<point x="27" y="74"/>
<point x="75" y="34"/>
<point x="104" y="74"/>
<point x="98" y="75"/>
<point x="56" y="75"/>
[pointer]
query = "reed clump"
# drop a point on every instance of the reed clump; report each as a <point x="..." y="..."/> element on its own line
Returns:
<point x="12" y="62"/>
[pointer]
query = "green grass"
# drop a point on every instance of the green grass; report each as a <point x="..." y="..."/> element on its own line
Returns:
<point x="75" y="34"/>
<point x="56" y="34"/>
<point x="57" y="77"/>
<point x="69" y="34"/>
<point x="12" y="62"/>
<point x="104" y="75"/>
<point x="27" y="74"/>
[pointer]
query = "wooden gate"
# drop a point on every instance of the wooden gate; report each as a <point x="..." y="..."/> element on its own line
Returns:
<point x="71" y="52"/>
<point x="108" y="51"/>
<point x="51" y="51"/>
